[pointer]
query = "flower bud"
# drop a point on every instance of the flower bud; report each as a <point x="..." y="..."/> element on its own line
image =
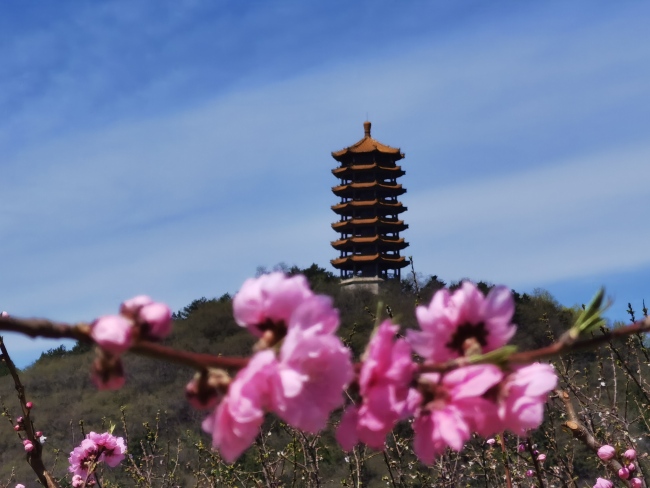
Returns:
<point x="207" y="388"/>
<point x="113" y="333"/>
<point x="19" y="420"/>
<point x="623" y="473"/>
<point x="636" y="483"/>
<point x="606" y="452"/>
<point x="18" y="427"/>
<point x="4" y="314"/>
<point x="521" y="447"/>
<point x="29" y="405"/>
<point x="132" y="306"/>
<point x="107" y="372"/>
<point x="490" y="441"/>
<point x="630" y="454"/>
<point x="631" y="467"/>
<point x="603" y="483"/>
<point x="29" y="447"/>
<point x="157" y="319"/>
<point x="39" y="433"/>
<point x="541" y="458"/>
<point x="530" y="473"/>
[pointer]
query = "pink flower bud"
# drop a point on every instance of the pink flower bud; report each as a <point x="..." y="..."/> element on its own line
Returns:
<point x="631" y="467"/>
<point x="4" y="314"/>
<point x="491" y="442"/>
<point x="29" y="405"/>
<point x="158" y="319"/>
<point x="541" y="458"/>
<point x="29" y="447"/>
<point x="19" y="420"/>
<point x="521" y="447"/>
<point x="606" y="452"/>
<point x="603" y="483"/>
<point x="530" y="473"/>
<point x="623" y="473"/>
<point x="630" y="454"/>
<point x="19" y="485"/>
<point x="18" y="427"/>
<point x="113" y="333"/>
<point x="131" y="307"/>
<point x="636" y="483"/>
<point x="39" y="433"/>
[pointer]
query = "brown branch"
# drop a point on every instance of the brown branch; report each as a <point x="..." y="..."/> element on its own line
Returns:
<point x="34" y="457"/>
<point x="566" y="343"/>
<point x="581" y="433"/>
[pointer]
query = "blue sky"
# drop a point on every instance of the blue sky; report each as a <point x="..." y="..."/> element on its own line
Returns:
<point x="172" y="147"/>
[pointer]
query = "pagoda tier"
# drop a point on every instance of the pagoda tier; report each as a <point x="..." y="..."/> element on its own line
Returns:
<point x="348" y="172"/>
<point x="358" y="208"/>
<point x="370" y="243"/>
<point x="369" y="190"/>
<point x="351" y="243"/>
<point x="351" y="226"/>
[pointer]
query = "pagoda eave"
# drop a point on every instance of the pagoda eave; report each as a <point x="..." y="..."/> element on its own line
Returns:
<point x="386" y="225"/>
<point x="349" y="262"/>
<point x="385" y="243"/>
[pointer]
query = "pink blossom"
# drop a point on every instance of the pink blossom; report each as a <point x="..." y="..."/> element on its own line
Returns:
<point x="20" y="485"/>
<point x="522" y="397"/>
<point x="235" y="423"/>
<point x="93" y="449"/>
<point x="636" y="483"/>
<point x="630" y="454"/>
<point x="623" y="473"/>
<point x="491" y="441"/>
<point x="454" y="408"/>
<point x="313" y="370"/>
<point x="270" y="298"/>
<point x="4" y="314"/>
<point x="27" y="444"/>
<point x="384" y="382"/>
<point x="530" y="473"/>
<point x="38" y="433"/>
<point x="465" y="322"/>
<point x="631" y="467"/>
<point x="82" y="457"/>
<point x="316" y="314"/>
<point x="157" y="319"/>
<point x="603" y="483"/>
<point x="29" y="405"/>
<point x="77" y="481"/>
<point x="111" y="449"/>
<point x="606" y="452"/>
<point x="113" y="333"/>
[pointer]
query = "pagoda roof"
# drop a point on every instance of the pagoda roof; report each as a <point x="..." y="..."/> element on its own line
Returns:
<point x="343" y="170"/>
<point x="389" y="262"/>
<point x="383" y="241"/>
<point x="388" y="188"/>
<point x="394" y="225"/>
<point x="385" y="206"/>
<point x="367" y="145"/>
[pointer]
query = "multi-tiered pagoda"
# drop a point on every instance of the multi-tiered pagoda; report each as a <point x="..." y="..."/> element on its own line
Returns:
<point x="370" y="227"/>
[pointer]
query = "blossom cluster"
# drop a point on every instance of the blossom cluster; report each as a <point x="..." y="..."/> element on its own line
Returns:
<point x="607" y="453"/>
<point x="139" y="318"/>
<point x="304" y="381"/>
<point x="94" y="449"/>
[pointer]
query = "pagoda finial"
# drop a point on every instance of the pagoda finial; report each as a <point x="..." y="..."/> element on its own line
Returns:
<point x="366" y="128"/>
